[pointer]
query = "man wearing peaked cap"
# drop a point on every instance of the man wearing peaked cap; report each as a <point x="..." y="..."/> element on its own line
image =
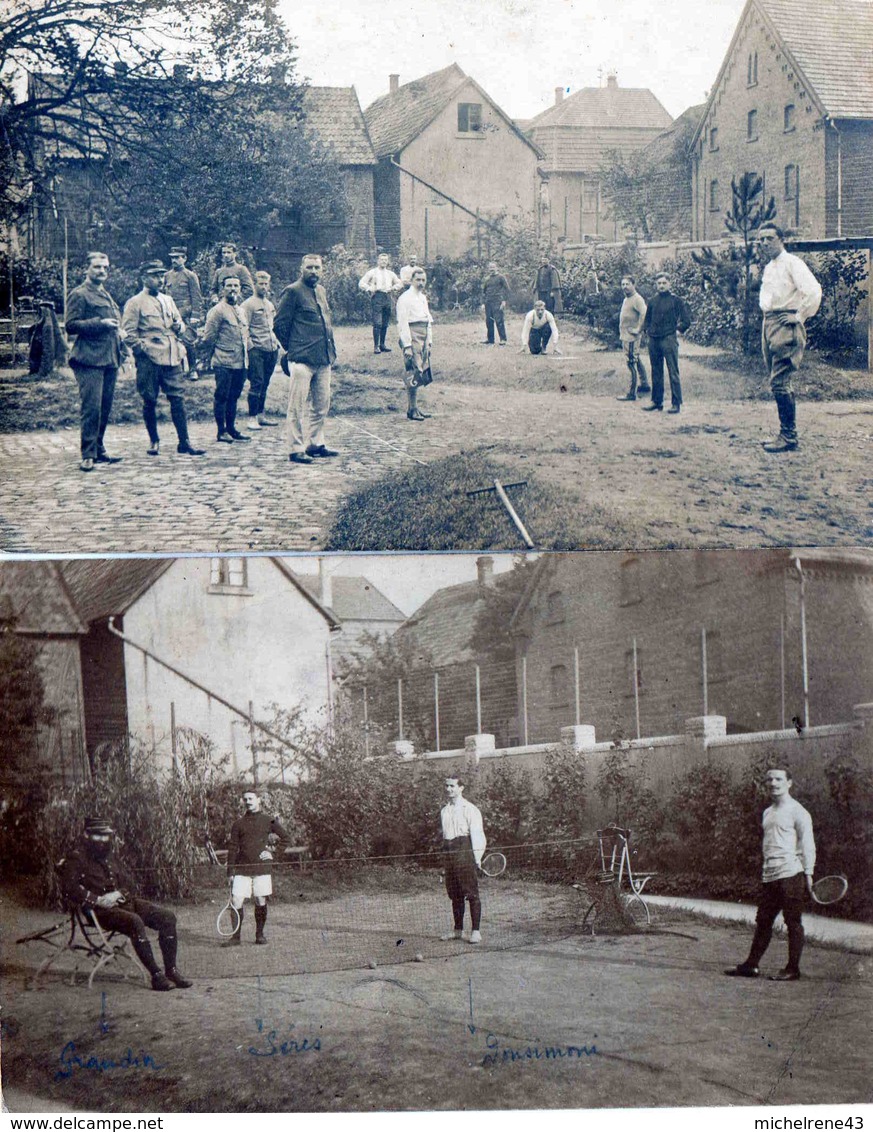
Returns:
<point x="89" y="882"/>
<point x="152" y="327"/>
<point x="183" y="287"/>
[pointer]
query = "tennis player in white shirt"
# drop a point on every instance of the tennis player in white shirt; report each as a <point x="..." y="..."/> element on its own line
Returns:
<point x="415" y="330"/>
<point x="464" y="842"/>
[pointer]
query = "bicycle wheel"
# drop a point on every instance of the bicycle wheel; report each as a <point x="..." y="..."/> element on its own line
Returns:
<point x="637" y="909"/>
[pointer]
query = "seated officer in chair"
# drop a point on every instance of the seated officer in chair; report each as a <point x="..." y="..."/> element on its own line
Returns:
<point x="87" y="881"/>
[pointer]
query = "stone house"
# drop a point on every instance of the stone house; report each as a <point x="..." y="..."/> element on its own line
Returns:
<point x="576" y="135"/>
<point x="741" y="610"/>
<point x="793" y="102"/>
<point x="451" y="163"/>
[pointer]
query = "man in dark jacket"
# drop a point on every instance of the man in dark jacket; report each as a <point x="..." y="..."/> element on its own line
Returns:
<point x="94" y="319"/>
<point x="303" y="327"/>
<point x="665" y="315"/>
<point x="87" y="881"/>
<point x="547" y="286"/>
<point x="495" y="292"/>
<point x="183" y="287"/>
<point x="250" y="863"/>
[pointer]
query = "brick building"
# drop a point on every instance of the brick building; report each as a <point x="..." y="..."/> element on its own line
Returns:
<point x="450" y="162"/>
<point x="793" y="102"/>
<point x="576" y="135"/>
<point x="749" y="604"/>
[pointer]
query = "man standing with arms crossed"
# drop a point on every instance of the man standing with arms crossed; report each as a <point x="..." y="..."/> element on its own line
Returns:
<point x="152" y="328"/>
<point x="495" y="292"/>
<point x="261" y="315"/>
<point x="665" y="315"/>
<point x="790" y="294"/>
<point x="226" y="341"/>
<point x="380" y="283"/>
<point x="93" y="318"/>
<point x="789" y="865"/>
<point x="464" y="844"/>
<point x="304" y="330"/>
<point x="250" y="864"/>
<point x="183" y="287"/>
<point x="630" y="330"/>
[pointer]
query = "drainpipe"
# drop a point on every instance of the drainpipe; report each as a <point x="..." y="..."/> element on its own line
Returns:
<point x="833" y="126"/>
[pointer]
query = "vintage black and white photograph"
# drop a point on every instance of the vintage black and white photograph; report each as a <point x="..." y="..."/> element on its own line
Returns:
<point x="321" y="276"/>
<point x="322" y="835"/>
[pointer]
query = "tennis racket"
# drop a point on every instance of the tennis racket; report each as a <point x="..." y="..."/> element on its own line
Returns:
<point x="228" y="921"/>
<point x="493" y="864"/>
<point x="830" y="889"/>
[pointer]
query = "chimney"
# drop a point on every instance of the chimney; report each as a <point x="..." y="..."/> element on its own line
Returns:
<point x="612" y="80"/>
<point x="325" y="584"/>
<point x="559" y="95"/>
<point x="121" y="68"/>
<point x="485" y="570"/>
<point x="393" y="84"/>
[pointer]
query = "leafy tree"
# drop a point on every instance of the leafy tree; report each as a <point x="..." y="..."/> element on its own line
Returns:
<point x="749" y="210"/>
<point x="626" y="179"/>
<point x="499" y="601"/>
<point x="841" y="275"/>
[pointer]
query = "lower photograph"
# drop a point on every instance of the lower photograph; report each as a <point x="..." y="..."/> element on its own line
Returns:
<point x="436" y="832"/>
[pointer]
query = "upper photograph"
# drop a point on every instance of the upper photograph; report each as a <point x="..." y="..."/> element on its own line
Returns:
<point x="542" y="276"/>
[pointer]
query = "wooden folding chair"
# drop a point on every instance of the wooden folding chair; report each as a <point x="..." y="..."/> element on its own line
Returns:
<point x="79" y="935"/>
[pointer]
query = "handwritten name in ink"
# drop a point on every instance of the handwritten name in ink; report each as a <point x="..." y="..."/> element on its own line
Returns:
<point x="71" y="1062"/>
<point x="271" y="1045"/>
<point x="501" y="1054"/>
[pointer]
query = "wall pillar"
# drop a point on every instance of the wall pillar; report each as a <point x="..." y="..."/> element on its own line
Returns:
<point x="403" y="749"/>
<point x="578" y="737"/>
<point x="699" y="729"/>
<point x="477" y="745"/>
<point x="862" y="737"/>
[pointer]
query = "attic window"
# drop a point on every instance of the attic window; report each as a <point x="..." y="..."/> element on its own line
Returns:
<point x="228" y="575"/>
<point x="789" y="123"/>
<point x="469" y="117"/>
<point x="713" y="139"/>
<point x="752" y="74"/>
<point x="752" y="126"/>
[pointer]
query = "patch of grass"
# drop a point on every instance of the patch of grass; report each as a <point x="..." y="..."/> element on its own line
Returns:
<point x="427" y="508"/>
<point x="817" y="380"/>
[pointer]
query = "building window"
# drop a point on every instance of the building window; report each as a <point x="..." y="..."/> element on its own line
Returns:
<point x="631" y="590"/>
<point x="469" y="117"/>
<point x="788" y="122"/>
<point x="713" y="196"/>
<point x="791" y="172"/>
<point x="589" y="198"/>
<point x="713" y="139"/>
<point x="558" y="686"/>
<point x="752" y="126"/>
<point x="228" y="574"/>
<point x="629" y="672"/>
<point x="555" y="608"/>
<point x="752" y="75"/>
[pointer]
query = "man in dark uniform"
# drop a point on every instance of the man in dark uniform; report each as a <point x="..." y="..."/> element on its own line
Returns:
<point x="495" y="292"/>
<point x="440" y="278"/>
<point x="87" y="880"/>
<point x="183" y="287"/>
<point x="304" y="329"/>
<point x="250" y="863"/>
<point x="93" y="318"/>
<point x="666" y="314"/>
<point x="547" y="286"/>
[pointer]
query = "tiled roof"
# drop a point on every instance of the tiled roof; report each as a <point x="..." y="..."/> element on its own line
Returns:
<point x="395" y="119"/>
<point x="606" y="107"/>
<point x="34" y="593"/>
<point x="671" y="145"/>
<point x="103" y="588"/>
<point x="832" y="43"/>
<point x="334" y="114"/>
<point x="445" y="626"/>
<point x="569" y="149"/>
<point x="355" y="599"/>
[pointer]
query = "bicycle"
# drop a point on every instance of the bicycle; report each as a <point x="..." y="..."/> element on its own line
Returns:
<point x="613" y="846"/>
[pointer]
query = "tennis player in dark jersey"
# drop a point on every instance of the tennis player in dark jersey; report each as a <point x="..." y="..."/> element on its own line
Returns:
<point x="250" y="863"/>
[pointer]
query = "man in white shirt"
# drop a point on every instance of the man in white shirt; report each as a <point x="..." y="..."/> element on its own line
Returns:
<point x="539" y="329"/>
<point x="790" y="294"/>
<point x="415" y="331"/>
<point x="464" y="843"/>
<point x="789" y="865"/>
<point x="630" y="330"/>
<point x="380" y="283"/>
<point x="407" y="270"/>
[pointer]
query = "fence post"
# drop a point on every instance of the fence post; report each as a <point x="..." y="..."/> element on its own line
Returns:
<point x="705" y="674"/>
<point x="400" y="709"/>
<point x="576" y="682"/>
<point x="478" y="703"/>
<point x="366" y="725"/>
<point x="524" y="698"/>
<point x="636" y="689"/>
<point x="782" y="663"/>
<point x="173" y="737"/>
<point x="252" y="742"/>
<point x="436" y="707"/>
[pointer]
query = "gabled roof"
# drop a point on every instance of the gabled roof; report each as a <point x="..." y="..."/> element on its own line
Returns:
<point x="334" y="114"/>
<point x="355" y="599"/>
<point x="605" y="107"/>
<point x="672" y="144"/>
<point x="829" y="45"/>
<point x="35" y="594"/>
<point x="445" y="626"/>
<point x="394" y="120"/>
<point x="108" y="587"/>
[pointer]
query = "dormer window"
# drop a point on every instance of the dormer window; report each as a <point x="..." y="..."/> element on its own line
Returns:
<point x="228" y="575"/>
<point x="752" y="74"/>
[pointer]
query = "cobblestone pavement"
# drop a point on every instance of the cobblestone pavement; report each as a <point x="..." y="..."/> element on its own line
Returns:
<point x="700" y="479"/>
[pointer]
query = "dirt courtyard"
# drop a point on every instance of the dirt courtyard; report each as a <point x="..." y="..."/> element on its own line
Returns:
<point x="573" y="1022"/>
<point x="697" y="479"/>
